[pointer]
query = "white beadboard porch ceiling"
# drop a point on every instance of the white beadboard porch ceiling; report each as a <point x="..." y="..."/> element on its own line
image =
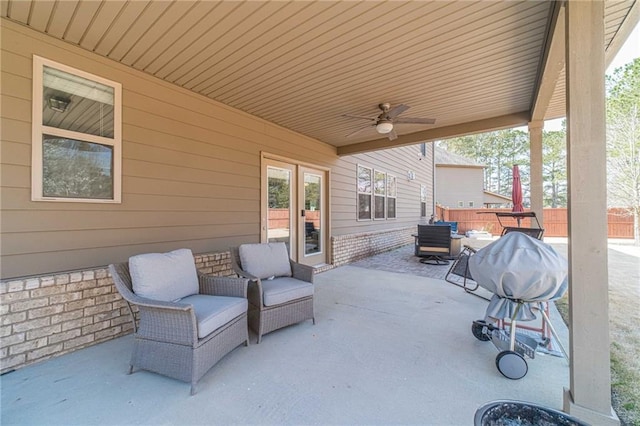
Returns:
<point x="302" y="64"/>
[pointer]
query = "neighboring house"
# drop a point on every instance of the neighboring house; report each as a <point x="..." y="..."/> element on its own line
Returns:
<point x="166" y="168"/>
<point x="460" y="183"/>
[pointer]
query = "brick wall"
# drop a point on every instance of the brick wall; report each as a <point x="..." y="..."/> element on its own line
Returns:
<point x="350" y="248"/>
<point x="46" y="316"/>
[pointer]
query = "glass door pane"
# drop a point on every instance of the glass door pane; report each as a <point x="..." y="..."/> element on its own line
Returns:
<point x="279" y="206"/>
<point x="312" y="213"/>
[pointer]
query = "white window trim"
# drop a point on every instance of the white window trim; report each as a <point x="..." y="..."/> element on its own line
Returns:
<point x="358" y="192"/>
<point x="423" y="200"/>
<point x="38" y="129"/>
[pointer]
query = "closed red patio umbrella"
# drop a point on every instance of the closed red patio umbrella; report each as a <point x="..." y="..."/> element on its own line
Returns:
<point x="516" y="192"/>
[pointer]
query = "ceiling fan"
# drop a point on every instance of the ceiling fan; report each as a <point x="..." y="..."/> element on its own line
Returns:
<point x="384" y="122"/>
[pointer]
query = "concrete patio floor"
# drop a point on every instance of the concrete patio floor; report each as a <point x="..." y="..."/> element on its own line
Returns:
<point x="387" y="348"/>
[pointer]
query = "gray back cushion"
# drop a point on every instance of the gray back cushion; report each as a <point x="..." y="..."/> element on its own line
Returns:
<point x="265" y="260"/>
<point x="164" y="276"/>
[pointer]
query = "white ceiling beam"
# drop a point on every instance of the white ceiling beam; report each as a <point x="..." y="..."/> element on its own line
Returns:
<point x="462" y="129"/>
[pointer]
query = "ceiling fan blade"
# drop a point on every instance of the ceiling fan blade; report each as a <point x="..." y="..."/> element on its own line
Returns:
<point x="397" y="110"/>
<point x="415" y="120"/>
<point x="392" y="135"/>
<point x="359" y="116"/>
<point x="359" y="130"/>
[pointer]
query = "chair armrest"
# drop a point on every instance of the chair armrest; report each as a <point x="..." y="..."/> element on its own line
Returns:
<point x="168" y="322"/>
<point x="302" y="272"/>
<point x="244" y="274"/>
<point x="223" y="286"/>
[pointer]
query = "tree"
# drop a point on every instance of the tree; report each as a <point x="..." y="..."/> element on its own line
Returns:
<point x="623" y="141"/>
<point x="554" y="168"/>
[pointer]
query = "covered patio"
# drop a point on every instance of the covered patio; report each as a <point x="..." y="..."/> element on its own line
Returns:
<point x="217" y="84"/>
<point x="387" y="348"/>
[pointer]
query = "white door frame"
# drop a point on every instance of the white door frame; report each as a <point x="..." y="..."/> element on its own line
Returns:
<point x="297" y="225"/>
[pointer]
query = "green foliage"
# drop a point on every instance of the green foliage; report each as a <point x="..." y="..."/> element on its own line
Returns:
<point x="76" y="169"/>
<point x="554" y="168"/>
<point x="623" y="140"/>
<point x="279" y="193"/>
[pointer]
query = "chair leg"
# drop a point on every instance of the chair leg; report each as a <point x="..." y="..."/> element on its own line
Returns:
<point x="314" y="320"/>
<point x="130" y="369"/>
<point x="193" y="389"/>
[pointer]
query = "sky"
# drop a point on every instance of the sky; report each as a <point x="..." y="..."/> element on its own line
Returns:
<point x="628" y="52"/>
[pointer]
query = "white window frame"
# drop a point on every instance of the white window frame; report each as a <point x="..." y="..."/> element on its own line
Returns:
<point x="358" y="192"/>
<point x="383" y="195"/>
<point x="38" y="130"/>
<point x="394" y="196"/>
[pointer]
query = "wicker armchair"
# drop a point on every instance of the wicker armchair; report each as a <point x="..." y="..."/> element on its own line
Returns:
<point x="280" y="294"/>
<point x="169" y="336"/>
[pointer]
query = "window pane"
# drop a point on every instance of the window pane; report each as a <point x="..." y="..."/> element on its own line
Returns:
<point x="76" y="169"/>
<point x="391" y="186"/>
<point x="364" y="179"/>
<point x="313" y="214"/>
<point x="379" y="213"/>
<point x="423" y="193"/>
<point x="423" y="209"/>
<point x="364" y="206"/>
<point x="391" y="207"/>
<point x="74" y="103"/>
<point x="279" y="188"/>
<point x="379" y="183"/>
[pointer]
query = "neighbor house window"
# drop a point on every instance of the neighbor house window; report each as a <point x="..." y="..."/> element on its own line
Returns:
<point x="460" y="203"/>
<point x="471" y="203"/>
<point x="392" y="194"/>
<point x="76" y="130"/>
<point x="423" y="200"/>
<point x="364" y="192"/>
<point x="379" y="191"/>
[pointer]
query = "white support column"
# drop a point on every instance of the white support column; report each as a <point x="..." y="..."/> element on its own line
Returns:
<point x="589" y="396"/>
<point x="536" y="181"/>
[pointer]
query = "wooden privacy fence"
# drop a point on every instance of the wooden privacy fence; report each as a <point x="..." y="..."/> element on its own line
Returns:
<point x="555" y="221"/>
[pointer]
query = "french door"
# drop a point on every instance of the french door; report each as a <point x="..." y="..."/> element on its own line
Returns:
<point x="294" y="209"/>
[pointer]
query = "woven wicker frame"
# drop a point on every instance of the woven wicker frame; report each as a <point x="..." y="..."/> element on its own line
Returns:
<point x="265" y="319"/>
<point x="166" y="334"/>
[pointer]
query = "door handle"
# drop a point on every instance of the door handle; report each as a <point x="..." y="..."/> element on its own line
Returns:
<point x="302" y="213"/>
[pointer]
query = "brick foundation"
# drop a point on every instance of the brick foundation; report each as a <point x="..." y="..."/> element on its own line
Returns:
<point x="350" y="248"/>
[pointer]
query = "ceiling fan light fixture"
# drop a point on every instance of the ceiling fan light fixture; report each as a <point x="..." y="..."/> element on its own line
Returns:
<point x="58" y="104"/>
<point x="384" y="127"/>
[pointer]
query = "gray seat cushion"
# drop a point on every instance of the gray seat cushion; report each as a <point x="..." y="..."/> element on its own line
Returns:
<point x="265" y="260"/>
<point x="164" y="276"/>
<point x="212" y="312"/>
<point x="284" y="289"/>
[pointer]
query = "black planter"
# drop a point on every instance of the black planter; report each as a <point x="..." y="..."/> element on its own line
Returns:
<point x="518" y="413"/>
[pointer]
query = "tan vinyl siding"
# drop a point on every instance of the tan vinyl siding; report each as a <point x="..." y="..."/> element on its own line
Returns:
<point x="191" y="171"/>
